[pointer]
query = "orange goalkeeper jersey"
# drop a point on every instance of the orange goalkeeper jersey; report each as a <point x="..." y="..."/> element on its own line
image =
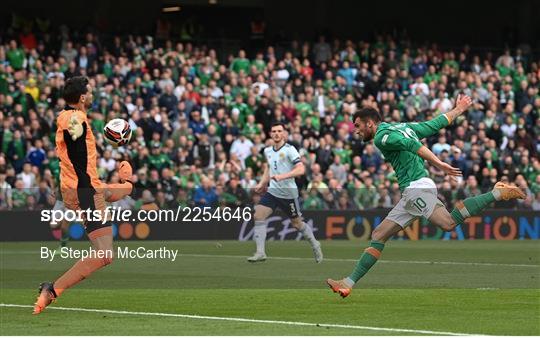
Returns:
<point x="78" y="161"/>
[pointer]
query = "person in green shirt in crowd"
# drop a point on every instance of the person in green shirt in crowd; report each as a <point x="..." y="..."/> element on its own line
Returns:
<point x="15" y="55"/>
<point x="19" y="196"/>
<point x="431" y="76"/>
<point x="107" y="67"/>
<point x="259" y="62"/>
<point x="4" y="80"/>
<point x="505" y="64"/>
<point x="251" y="128"/>
<point x="255" y="161"/>
<point x="242" y="109"/>
<point x="302" y="107"/>
<point x="251" y="105"/>
<point x="241" y="63"/>
<point x="335" y="100"/>
<point x="329" y="81"/>
<point x="366" y="196"/>
<point x="451" y="62"/>
<point x="343" y="153"/>
<point x="204" y="71"/>
<point x="19" y="96"/>
<point x="312" y="122"/>
<point x="7" y="136"/>
<point x="53" y="164"/>
<point x="519" y="77"/>
<point x="234" y="195"/>
<point x="313" y="201"/>
<point x="97" y="123"/>
<point x="405" y="62"/>
<point x="157" y="159"/>
<point x="183" y="198"/>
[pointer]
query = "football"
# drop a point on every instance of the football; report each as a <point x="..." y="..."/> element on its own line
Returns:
<point x="117" y="132"/>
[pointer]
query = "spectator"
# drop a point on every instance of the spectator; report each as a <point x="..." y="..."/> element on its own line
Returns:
<point x="235" y="195"/>
<point x="339" y="170"/>
<point x="322" y="50"/>
<point x="106" y="162"/>
<point x="418" y="68"/>
<point x="418" y="101"/>
<point x="148" y="202"/>
<point x="441" y="146"/>
<point x="242" y="148"/>
<point x="196" y="124"/>
<point x="6" y="201"/>
<point x="36" y="156"/>
<point x="15" y="55"/>
<point x="204" y="152"/>
<point x="370" y="158"/>
<point x="241" y="63"/>
<point x="313" y="201"/>
<point x="168" y="100"/>
<point x="205" y="195"/>
<point x="19" y="196"/>
<point x="27" y="177"/>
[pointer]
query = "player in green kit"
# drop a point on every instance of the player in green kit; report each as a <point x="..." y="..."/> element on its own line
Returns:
<point x="400" y="144"/>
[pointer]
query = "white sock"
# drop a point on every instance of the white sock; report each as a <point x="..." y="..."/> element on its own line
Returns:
<point x="259" y="235"/>
<point x="497" y="194"/>
<point x="349" y="282"/>
<point x="308" y="234"/>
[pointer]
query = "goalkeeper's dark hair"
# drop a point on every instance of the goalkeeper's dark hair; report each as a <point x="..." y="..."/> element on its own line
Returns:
<point x="367" y="113"/>
<point x="74" y="88"/>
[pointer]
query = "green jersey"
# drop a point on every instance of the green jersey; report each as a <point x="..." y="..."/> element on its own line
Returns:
<point x="15" y="58"/>
<point x="239" y="64"/>
<point x="399" y="143"/>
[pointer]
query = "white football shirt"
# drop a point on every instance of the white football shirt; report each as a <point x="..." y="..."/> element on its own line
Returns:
<point x="282" y="161"/>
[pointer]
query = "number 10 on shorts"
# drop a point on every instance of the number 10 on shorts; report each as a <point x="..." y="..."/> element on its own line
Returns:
<point x="419" y="203"/>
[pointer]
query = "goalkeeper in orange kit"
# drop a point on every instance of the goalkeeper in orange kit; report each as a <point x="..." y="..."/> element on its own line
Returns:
<point x="80" y="186"/>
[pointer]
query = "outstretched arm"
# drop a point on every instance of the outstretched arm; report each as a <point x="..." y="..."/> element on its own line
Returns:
<point x="428" y="128"/>
<point x="463" y="102"/>
<point x="427" y="155"/>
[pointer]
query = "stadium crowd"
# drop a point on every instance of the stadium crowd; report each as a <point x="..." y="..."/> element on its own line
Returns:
<point x="200" y="119"/>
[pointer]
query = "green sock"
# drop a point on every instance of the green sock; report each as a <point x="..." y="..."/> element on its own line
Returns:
<point x="472" y="206"/>
<point x="367" y="260"/>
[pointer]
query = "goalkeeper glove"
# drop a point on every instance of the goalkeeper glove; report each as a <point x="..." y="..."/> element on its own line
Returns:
<point x="75" y="128"/>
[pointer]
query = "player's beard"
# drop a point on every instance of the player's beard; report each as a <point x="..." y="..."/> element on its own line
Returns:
<point x="369" y="138"/>
<point x="366" y="136"/>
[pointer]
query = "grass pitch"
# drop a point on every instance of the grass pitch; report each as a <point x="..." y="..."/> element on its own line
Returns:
<point x="424" y="287"/>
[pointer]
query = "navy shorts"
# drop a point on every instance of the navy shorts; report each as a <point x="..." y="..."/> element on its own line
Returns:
<point x="290" y="206"/>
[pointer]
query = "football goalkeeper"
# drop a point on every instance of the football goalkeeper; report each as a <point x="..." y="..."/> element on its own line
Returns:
<point x="80" y="186"/>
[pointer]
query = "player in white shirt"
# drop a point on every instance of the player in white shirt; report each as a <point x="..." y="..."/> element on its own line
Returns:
<point x="283" y="164"/>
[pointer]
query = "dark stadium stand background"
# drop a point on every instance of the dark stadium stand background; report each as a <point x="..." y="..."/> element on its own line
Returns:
<point x="479" y="23"/>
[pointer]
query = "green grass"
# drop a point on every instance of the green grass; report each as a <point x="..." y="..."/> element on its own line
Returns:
<point x="408" y="289"/>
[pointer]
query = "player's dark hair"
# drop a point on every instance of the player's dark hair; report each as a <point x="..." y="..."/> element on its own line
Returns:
<point x="367" y="113"/>
<point x="278" y="123"/>
<point x="74" y="88"/>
